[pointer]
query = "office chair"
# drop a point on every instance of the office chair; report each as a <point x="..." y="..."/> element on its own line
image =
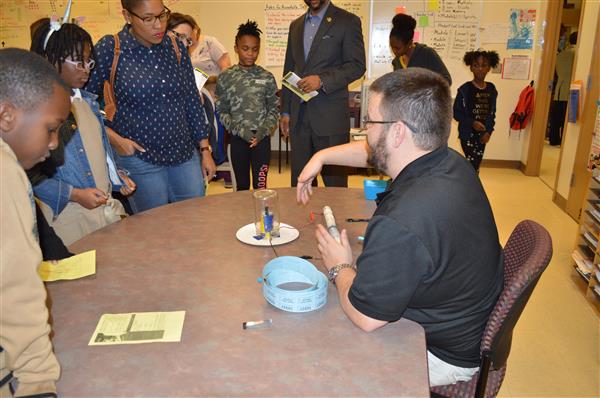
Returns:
<point x="526" y="255"/>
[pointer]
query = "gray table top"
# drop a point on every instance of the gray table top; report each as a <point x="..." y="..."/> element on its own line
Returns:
<point x="185" y="256"/>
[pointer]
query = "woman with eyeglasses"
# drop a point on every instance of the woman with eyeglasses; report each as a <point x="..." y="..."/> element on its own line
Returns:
<point x="76" y="198"/>
<point x="184" y="27"/>
<point x="207" y="53"/>
<point x="159" y="130"/>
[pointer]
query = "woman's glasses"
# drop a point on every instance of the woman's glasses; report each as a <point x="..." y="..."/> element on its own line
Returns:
<point x="187" y="41"/>
<point x="80" y="65"/>
<point x="151" y="19"/>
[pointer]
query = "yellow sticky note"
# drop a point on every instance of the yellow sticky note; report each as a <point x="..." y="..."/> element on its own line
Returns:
<point x="423" y="20"/>
<point x="75" y="267"/>
<point x="433" y="5"/>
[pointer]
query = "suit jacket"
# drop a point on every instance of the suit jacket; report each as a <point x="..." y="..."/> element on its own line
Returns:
<point x="337" y="55"/>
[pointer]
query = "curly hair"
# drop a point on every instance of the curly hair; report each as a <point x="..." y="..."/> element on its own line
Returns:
<point x="472" y="56"/>
<point x="249" y="28"/>
<point x="26" y="79"/>
<point x="69" y="41"/>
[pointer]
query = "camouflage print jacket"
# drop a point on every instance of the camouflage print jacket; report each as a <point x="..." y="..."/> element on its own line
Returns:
<point x="247" y="100"/>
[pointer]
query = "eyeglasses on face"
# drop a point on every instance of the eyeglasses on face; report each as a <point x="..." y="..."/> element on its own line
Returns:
<point x="183" y="38"/>
<point x="151" y="19"/>
<point x="366" y="121"/>
<point x="80" y="65"/>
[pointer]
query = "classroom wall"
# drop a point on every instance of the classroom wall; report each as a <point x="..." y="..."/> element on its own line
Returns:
<point x="221" y="19"/>
<point x="591" y="16"/>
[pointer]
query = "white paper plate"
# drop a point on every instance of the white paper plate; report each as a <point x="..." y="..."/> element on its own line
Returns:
<point x="247" y="232"/>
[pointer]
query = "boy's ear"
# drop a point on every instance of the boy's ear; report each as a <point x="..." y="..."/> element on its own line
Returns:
<point x="8" y="116"/>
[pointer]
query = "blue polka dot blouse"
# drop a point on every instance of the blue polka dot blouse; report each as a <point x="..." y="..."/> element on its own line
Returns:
<point x="158" y="105"/>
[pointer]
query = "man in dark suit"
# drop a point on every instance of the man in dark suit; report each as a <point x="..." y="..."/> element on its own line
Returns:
<point x="325" y="48"/>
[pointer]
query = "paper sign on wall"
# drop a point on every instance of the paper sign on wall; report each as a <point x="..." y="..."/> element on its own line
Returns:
<point x="516" y="68"/>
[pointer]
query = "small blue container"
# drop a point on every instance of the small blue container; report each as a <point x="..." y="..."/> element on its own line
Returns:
<point x="373" y="187"/>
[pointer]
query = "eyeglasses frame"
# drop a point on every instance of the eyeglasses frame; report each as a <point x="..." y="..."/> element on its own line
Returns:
<point x="80" y="65"/>
<point x="366" y="121"/>
<point x="187" y="41"/>
<point x="166" y="12"/>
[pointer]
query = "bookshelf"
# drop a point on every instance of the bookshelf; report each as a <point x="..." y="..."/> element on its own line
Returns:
<point x="586" y="253"/>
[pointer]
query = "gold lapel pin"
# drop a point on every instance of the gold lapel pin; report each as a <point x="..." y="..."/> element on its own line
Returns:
<point x="329" y="19"/>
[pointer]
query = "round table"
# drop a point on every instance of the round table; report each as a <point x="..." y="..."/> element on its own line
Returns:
<point x="184" y="256"/>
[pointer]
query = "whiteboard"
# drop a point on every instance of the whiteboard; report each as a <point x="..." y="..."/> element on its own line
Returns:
<point x="451" y="27"/>
<point x="216" y="18"/>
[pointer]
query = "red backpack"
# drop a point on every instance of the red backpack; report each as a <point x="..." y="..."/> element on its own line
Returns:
<point x="520" y="117"/>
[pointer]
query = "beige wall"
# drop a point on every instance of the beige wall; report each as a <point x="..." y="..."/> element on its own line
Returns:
<point x="505" y="146"/>
<point x="590" y="14"/>
<point x="221" y="18"/>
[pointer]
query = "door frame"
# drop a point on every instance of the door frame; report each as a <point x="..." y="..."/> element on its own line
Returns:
<point x="543" y="94"/>
<point x="581" y="175"/>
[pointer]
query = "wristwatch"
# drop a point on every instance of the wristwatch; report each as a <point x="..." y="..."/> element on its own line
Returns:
<point x="206" y="148"/>
<point x="333" y="273"/>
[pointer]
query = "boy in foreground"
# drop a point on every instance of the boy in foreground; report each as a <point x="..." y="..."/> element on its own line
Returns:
<point x="34" y="102"/>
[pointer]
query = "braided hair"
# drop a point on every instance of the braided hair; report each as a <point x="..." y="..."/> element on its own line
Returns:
<point x="472" y="56"/>
<point x="68" y="41"/>
<point x="249" y="28"/>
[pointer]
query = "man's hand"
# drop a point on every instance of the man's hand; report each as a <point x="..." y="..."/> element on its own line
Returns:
<point x="306" y="177"/>
<point x="485" y="138"/>
<point x="209" y="168"/>
<point x="332" y="252"/>
<point x="90" y="198"/>
<point x="253" y="142"/>
<point x="129" y="186"/>
<point x="284" y="125"/>
<point x="478" y="126"/>
<point x="310" y="83"/>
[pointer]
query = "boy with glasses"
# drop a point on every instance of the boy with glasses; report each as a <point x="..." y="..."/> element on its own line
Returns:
<point x="76" y="198"/>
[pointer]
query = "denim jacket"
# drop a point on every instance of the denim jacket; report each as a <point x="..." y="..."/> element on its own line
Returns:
<point x="76" y="171"/>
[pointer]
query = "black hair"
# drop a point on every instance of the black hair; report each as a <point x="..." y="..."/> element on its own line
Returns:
<point x="573" y="38"/>
<point x="36" y="24"/>
<point x="130" y="4"/>
<point x="403" y="28"/>
<point x="26" y="79"/>
<point x="177" y="19"/>
<point x="472" y="56"/>
<point x="418" y="97"/>
<point x="68" y="41"/>
<point x="249" y="28"/>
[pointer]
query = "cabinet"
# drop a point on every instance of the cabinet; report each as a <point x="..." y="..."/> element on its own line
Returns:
<point x="586" y="253"/>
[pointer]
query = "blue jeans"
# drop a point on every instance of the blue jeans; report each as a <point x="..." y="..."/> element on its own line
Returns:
<point x="159" y="185"/>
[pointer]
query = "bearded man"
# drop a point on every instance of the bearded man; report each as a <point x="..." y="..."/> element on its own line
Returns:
<point x="431" y="252"/>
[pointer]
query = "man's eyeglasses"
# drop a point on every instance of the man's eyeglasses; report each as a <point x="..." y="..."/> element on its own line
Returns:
<point x="183" y="38"/>
<point x="80" y="65"/>
<point x="151" y="20"/>
<point x="366" y="121"/>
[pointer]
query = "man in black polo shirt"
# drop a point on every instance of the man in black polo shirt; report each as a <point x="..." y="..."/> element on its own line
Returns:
<point x="431" y="251"/>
